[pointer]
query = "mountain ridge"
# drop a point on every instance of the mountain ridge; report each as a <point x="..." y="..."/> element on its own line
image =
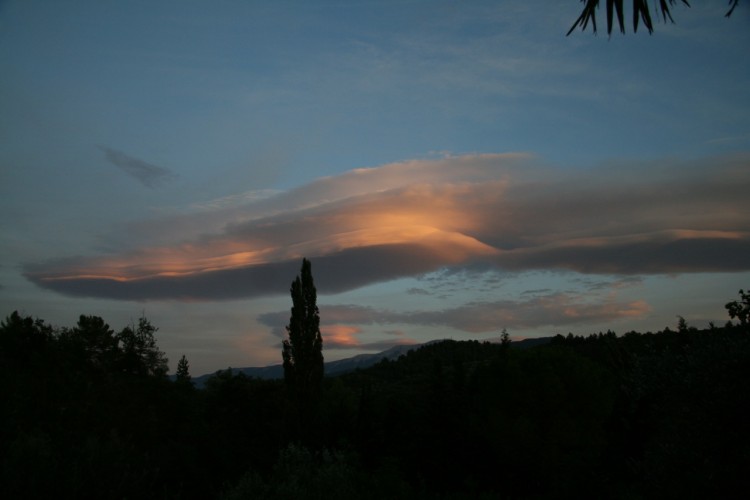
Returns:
<point x="337" y="367"/>
<point x="346" y="365"/>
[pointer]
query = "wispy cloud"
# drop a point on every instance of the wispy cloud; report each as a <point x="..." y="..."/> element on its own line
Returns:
<point x="343" y="322"/>
<point x="557" y="309"/>
<point x="473" y="212"/>
<point x="148" y="174"/>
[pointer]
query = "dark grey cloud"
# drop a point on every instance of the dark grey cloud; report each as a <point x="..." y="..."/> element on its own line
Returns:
<point x="395" y="333"/>
<point x="335" y="273"/>
<point x="251" y="281"/>
<point x="148" y="174"/>
<point x="378" y="346"/>
<point x="651" y="254"/>
<point x="355" y="268"/>
<point x="592" y="284"/>
<point x="477" y="276"/>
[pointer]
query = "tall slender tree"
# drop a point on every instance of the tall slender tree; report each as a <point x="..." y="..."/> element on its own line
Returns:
<point x="302" y="352"/>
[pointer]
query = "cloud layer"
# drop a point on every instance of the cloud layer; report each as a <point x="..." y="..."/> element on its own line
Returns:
<point x="342" y="324"/>
<point x="498" y="211"/>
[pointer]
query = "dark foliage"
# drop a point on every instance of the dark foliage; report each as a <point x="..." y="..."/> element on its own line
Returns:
<point x="641" y="415"/>
<point x="740" y="309"/>
<point x="641" y="13"/>
<point x="303" y="351"/>
<point x="182" y="376"/>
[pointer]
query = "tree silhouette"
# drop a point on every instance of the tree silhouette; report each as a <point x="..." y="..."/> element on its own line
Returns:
<point x="183" y="371"/>
<point x="303" y="351"/>
<point x="634" y="416"/>
<point x="641" y="12"/>
<point x="740" y="309"/>
<point x="505" y="339"/>
<point x="139" y="351"/>
<point x="21" y="337"/>
<point x="93" y="337"/>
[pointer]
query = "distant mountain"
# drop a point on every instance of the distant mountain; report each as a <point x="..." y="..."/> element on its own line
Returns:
<point x="528" y="343"/>
<point x="331" y="368"/>
<point x="366" y="360"/>
<point x="361" y="361"/>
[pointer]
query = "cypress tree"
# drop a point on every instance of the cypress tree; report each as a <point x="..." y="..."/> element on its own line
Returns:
<point x="302" y="352"/>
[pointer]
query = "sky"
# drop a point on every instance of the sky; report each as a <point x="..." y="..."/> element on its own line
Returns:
<point x="450" y="168"/>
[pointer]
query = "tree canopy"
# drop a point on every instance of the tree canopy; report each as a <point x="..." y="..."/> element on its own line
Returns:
<point x="639" y="415"/>
<point x="740" y="309"/>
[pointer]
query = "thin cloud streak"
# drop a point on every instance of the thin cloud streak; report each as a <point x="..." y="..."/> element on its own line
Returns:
<point x="557" y="310"/>
<point x="551" y="309"/>
<point x="148" y="174"/>
<point x="501" y="212"/>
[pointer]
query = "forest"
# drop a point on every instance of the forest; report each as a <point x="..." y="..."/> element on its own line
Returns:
<point x="88" y="412"/>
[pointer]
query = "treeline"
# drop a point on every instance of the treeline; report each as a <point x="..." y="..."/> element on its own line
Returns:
<point x="88" y="412"/>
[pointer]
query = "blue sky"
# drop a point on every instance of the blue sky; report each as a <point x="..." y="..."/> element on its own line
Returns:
<point x="451" y="168"/>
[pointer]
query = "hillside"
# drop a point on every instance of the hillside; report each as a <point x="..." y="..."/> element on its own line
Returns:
<point x="342" y="366"/>
<point x="647" y="415"/>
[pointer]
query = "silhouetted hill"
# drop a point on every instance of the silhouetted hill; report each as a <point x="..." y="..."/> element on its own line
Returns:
<point x="641" y="415"/>
<point x="337" y="367"/>
<point x="358" y="362"/>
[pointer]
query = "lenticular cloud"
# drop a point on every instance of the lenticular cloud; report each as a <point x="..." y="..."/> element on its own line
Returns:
<point x="410" y="218"/>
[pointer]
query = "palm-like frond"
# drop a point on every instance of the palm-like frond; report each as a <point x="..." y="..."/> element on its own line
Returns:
<point x="641" y="12"/>
<point x="733" y="4"/>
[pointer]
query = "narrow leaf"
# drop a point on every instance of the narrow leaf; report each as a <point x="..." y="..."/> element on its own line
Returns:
<point x="733" y="4"/>
<point x="665" y="10"/>
<point x="620" y="16"/>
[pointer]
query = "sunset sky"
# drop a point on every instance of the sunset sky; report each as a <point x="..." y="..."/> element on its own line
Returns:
<point x="450" y="168"/>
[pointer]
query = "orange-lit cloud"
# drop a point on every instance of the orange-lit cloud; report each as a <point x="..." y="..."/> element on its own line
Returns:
<point x="341" y="327"/>
<point x="340" y="336"/>
<point x="410" y="218"/>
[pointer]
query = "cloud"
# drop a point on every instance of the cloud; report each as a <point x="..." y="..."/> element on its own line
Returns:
<point x="557" y="309"/>
<point x="472" y="213"/>
<point x="146" y="173"/>
<point x="340" y="336"/>
<point x="331" y="316"/>
<point x="340" y="328"/>
<point x="384" y="345"/>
